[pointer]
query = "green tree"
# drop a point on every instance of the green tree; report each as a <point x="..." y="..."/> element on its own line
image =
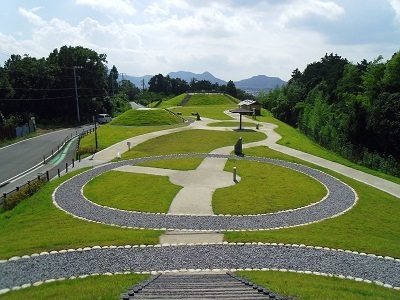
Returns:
<point x="391" y="77"/>
<point x="231" y="88"/>
<point x="128" y="88"/>
<point x="113" y="81"/>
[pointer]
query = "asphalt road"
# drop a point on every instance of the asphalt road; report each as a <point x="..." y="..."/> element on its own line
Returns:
<point x="20" y="157"/>
<point x="136" y="105"/>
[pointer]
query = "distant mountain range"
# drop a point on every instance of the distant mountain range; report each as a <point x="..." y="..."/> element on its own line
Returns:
<point x="251" y="85"/>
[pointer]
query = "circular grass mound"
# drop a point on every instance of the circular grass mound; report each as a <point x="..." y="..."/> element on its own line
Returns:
<point x="264" y="188"/>
<point x="133" y="192"/>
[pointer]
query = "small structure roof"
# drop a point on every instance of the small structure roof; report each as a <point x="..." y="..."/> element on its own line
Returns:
<point x="248" y="102"/>
<point x="241" y="111"/>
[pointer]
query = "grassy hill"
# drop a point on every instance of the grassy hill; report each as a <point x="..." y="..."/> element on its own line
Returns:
<point x="200" y="100"/>
<point x="146" y="117"/>
<point x="209" y="99"/>
<point x="173" y="101"/>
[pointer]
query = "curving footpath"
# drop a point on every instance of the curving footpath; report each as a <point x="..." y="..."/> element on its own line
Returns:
<point x="33" y="270"/>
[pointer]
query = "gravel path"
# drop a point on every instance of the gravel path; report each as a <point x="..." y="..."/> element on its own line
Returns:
<point x="368" y="268"/>
<point x="339" y="199"/>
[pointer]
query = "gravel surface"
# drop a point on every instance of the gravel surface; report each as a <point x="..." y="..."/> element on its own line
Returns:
<point x="339" y="199"/>
<point x="218" y="256"/>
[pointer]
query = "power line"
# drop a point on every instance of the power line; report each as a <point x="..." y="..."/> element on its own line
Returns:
<point x="37" y="99"/>
<point x="35" y="90"/>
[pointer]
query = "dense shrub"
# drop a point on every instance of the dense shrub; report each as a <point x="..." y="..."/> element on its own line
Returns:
<point x="86" y="150"/>
<point x="28" y="190"/>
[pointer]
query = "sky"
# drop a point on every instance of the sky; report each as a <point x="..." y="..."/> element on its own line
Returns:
<point x="232" y="39"/>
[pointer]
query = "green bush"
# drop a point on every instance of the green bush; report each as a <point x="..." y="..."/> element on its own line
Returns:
<point x="28" y="190"/>
<point x="86" y="150"/>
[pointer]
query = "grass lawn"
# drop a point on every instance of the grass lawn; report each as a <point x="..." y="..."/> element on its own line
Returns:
<point x="36" y="225"/>
<point x="372" y="226"/>
<point x="265" y="188"/>
<point x="311" y="287"/>
<point x="191" y="141"/>
<point x="180" y="164"/>
<point x="137" y="192"/>
<point x="129" y="191"/>
<point x="108" y="135"/>
<point x="209" y="99"/>
<point x="293" y="138"/>
<point x="232" y="124"/>
<point x="151" y="117"/>
<point x="172" y="102"/>
<point x="93" y="287"/>
<point x="212" y="111"/>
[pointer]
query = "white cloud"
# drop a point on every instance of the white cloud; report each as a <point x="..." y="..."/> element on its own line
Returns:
<point x="122" y="7"/>
<point x="396" y="6"/>
<point x="155" y="10"/>
<point x="232" y="39"/>
<point x="32" y="18"/>
<point x="301" y="9"/>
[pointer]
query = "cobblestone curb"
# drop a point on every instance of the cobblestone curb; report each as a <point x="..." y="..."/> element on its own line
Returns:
<point x="340" y="198"/>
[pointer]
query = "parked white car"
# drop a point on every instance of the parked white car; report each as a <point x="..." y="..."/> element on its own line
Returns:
<point x="103" y="118"/>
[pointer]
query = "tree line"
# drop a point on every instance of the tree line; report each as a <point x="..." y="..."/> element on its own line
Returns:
<point x="47" y="88"/>
<point x="175" y="86"/>
<point x="350" y="108"/>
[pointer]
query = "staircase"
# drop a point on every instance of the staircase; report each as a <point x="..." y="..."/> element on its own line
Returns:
<point x="185" y="100"/>
<point x="198" y="286"/>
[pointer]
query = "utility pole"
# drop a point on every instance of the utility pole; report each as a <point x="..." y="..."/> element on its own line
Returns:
<point x="76" y="95"/>
<point x="112" y="83"/>
<point x="143" y="85"/>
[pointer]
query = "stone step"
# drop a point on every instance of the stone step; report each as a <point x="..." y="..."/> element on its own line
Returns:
<point x="185" y="100"/>
<point x="187" y="237"/>
<point x="197" y="286"/>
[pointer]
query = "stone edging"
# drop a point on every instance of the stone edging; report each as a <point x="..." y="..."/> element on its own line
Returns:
<point x="163" y="218"/>
<point x="311" y="248"/>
